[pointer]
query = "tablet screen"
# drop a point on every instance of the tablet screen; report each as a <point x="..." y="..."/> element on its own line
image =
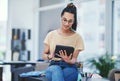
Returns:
<point x="69" y="50"/>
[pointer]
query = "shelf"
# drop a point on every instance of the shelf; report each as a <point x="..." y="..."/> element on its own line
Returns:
<point x="19" y="42"/>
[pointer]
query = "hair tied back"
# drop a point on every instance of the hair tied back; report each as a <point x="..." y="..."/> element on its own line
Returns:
<point x="71" y="5"/>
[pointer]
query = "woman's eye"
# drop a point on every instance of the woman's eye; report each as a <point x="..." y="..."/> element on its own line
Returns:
<point x="65" y="20"/>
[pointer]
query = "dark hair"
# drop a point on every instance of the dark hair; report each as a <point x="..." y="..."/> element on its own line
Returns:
<point x="71" y="8"/>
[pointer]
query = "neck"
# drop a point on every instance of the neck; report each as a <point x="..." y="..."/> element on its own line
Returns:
<point x="64" y="31"/>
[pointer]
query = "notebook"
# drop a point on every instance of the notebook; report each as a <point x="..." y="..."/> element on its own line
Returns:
<point x="69" y="50"/>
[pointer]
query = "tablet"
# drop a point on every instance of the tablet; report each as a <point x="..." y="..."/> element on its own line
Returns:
<point x="69" y="50"/>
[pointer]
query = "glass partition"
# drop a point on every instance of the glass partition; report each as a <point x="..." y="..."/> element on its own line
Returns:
<point x="91" y="25"/>
<point x="116" y="25"/>
<point x="44" y="3"/>
<point x="3" y="28"/>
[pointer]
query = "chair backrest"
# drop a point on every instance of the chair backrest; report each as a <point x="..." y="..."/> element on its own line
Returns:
<point x="117" y="75"/>
<point x="119" y="80"/>
<point x="111" y="75"/>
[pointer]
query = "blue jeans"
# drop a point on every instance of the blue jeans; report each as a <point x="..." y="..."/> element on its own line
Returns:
<point x="61" y="71"/>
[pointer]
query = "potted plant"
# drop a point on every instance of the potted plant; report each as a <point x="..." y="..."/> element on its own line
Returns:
<point x="103" y="64"/>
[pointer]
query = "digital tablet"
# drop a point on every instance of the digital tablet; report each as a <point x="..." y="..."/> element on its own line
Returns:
<point x="69" y="50"/>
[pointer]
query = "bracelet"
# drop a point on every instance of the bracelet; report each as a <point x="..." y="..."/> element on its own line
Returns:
<point x="48" y="57"/>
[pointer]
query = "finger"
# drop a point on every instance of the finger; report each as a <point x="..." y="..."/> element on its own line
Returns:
<point x="70" y="56"/>
<point x="61" y="53"/>
<point x="65" y="53"/>
<point x="57" y="55"/>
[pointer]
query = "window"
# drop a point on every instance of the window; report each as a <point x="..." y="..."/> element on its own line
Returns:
<point x="3" y="27"/>
<point x="44" y="3"/>
<point x="91" y="25"/>
<point x="49" y="14"/>
<point x="116" y="15"/>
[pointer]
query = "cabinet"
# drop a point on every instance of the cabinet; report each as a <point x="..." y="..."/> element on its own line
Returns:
<point x="19" y="49"/>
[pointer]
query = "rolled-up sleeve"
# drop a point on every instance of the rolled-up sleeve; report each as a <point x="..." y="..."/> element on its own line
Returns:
<point x="79" y="43"/>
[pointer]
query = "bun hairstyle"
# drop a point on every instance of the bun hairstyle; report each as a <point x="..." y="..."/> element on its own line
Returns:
<point x="71" y="8"/>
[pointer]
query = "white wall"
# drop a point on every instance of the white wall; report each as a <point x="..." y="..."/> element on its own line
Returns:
<point x="48" y="22"/>
<point x="23" y="14"/>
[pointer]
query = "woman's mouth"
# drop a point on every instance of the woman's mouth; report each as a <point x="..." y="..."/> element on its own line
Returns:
<point x="66" y="27"/>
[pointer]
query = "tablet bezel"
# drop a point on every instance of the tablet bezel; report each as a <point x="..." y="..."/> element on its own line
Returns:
<point x="69" y="50"/>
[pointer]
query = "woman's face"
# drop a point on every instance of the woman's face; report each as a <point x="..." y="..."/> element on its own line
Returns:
<point x="67" y="20"/>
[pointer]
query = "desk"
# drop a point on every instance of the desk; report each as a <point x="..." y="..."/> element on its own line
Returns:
<point x="18" y="67"/>
<point x="17" y="62"/>
<point x="33" y="79"/>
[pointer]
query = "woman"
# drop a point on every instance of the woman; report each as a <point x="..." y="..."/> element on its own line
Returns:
<point x="63" y="69"/>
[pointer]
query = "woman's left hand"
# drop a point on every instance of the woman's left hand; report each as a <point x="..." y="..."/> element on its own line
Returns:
<point x="63" y="55"/>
